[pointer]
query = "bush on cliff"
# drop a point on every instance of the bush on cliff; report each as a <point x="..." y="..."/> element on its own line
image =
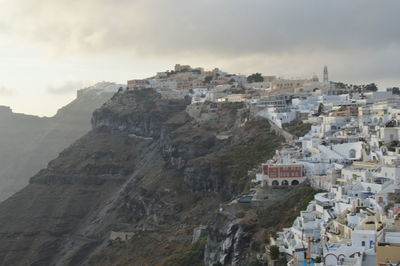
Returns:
<point x="297" y="128"/>
<point x="237" y="160"/>
<point x="283" y="213"/>
<point x="191" y="255"/>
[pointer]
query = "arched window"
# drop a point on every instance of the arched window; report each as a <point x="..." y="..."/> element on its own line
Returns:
<point x="295" y="183"/>
<point x="352" y="153"/>
<point x="285" y="183"/>
<point x="275" y="183"/>
<point x="368" y="189"/>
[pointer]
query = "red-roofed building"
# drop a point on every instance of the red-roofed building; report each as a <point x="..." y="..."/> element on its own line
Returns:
<point x="283" y="174"/>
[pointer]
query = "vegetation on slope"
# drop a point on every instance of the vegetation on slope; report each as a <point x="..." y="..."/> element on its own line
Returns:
<point x="236" y="160"/>
<point x="190" y="255"/>
<point x="282" y="214"/>
<point x="297" y="128"/>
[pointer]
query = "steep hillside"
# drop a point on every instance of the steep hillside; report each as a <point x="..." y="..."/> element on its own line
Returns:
<point x="146" y="168"/>
<point x="28" y="143"/>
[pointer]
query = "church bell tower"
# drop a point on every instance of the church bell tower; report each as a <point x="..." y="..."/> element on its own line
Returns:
<point x="326" y="79"/>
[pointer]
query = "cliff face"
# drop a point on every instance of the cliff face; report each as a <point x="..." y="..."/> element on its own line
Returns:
<point x="228" y="241"/>
<point x="146" y="168"/>
<point x="28" y="143"/>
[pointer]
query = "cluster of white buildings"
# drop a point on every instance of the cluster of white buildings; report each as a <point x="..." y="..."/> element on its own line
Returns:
<point x="352" y="152"/>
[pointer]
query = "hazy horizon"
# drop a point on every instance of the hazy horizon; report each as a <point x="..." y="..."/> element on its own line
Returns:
<point x="47" y="55"/>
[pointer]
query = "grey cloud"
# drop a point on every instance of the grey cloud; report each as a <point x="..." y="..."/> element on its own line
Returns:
<point x="222" y="26"/>
<point x="362" y="31"/>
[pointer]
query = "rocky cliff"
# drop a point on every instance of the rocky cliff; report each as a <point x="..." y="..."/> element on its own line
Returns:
<point x="228" y="241"/>
<point x="28" y="143"/>
<point x="146" y="170"/>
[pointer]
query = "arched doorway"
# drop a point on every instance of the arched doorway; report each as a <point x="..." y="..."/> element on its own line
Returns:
<point x="295" y="182"/>
<point x="275" y="183"/>
<point x="285" y="183"/>
<point x="352" y="153"/>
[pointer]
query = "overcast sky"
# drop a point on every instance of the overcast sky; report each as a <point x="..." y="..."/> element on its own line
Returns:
<point x="51" y="48"/>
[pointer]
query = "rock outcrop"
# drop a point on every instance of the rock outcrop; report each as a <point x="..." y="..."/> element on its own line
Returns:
<point x="228" y="241"/>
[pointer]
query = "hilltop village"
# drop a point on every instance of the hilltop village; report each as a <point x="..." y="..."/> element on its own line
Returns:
<point x="342" y="139"/>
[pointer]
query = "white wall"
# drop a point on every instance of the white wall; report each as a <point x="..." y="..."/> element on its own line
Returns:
<point x="344" y="150"/>
<point x="366" y="237"/>
<point x="390" y="172"/>
<point x="389" y="134"/>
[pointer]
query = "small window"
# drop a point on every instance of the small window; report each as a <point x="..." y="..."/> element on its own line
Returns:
<point x="352" y="153"/>
<point x="363" y="243"/>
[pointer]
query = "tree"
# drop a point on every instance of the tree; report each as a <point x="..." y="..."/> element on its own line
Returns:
<point x="256" y="263"/>
<point x="274" y="252"/>
<point x="197" y="71"/>
<point x="208" y="79"/>
<point x="371" y="87"/>
<point x="395" y="90"/>
<point x="341" y="85"/>
<point x="320" y="108"/>
<point x="256" y="77"/>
